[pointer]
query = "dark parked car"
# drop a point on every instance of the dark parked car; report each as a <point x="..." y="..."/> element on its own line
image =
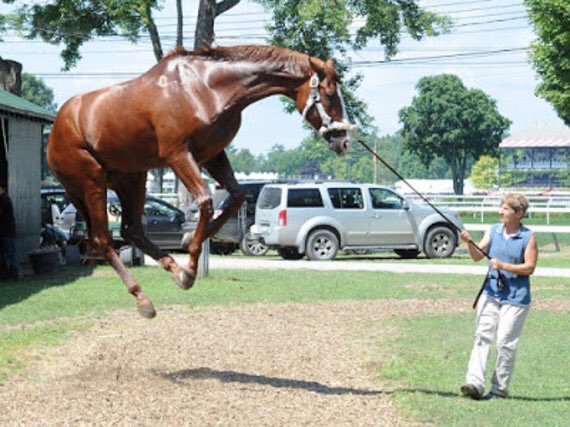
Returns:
<point x="235" y="232"/>
<point x="163" y="222"/>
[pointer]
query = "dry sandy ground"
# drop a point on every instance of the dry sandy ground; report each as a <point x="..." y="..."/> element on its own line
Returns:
<point x="248" y="365"/>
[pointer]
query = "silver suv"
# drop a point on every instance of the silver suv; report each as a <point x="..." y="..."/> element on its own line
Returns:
<point x="318" y="219"/>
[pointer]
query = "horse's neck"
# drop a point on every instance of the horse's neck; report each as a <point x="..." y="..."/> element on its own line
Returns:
<point x="263" y="79"/>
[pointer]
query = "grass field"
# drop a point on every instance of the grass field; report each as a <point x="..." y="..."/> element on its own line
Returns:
<point x="432" y="352"/>
<point x="424" y="360"/>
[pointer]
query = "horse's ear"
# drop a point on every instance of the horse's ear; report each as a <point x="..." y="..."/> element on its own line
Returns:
<point x="318" y="67"/>
<point x="331" y="71"/>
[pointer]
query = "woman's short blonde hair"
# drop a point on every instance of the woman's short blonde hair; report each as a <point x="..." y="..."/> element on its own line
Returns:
<point x="517" y="201"/>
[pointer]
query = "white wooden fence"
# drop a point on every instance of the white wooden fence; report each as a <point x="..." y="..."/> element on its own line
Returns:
<point x="552" y="229"/>
<point x="478" y="206"/>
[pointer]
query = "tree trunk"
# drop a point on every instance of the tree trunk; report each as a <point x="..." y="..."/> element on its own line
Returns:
<point x="179" y="23"/>
<point x="204" y="34"/>
<point x="458" y="174"/>
<point x="153" y="33"/>
<point x="207" y="13"/>
<point x="161" y="180"/>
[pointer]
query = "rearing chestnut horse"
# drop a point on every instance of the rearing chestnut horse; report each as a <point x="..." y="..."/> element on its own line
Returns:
<point x="181" y="114"/>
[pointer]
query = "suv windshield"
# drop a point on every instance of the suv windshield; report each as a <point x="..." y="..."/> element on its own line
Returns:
<point x="269" y="198"/>
<point x="385" y="199"/>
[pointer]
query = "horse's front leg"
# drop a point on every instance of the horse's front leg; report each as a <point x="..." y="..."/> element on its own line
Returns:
<point x="221" y="170"/>
<point x="131" y="191"/>
<point x="187" y="170"/>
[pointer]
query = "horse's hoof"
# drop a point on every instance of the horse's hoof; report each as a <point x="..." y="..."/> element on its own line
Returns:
<point x="146" y="309"/>
<point x="184" y="279"/>
<point x="186" y="239"/>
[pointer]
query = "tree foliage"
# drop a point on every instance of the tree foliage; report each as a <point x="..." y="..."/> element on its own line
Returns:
<point x="551" y="52"/>
<point x="321" y="28"/>
<point x="485" y="172"/>
<point x="448" y="120"/>
<point x="35" y="90"/>
<point x="74" y="22"/>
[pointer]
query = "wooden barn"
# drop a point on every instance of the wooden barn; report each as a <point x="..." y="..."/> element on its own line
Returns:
<point x="21" y="127"/>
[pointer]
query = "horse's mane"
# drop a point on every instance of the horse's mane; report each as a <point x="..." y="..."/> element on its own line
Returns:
<point x="250" y="53"/>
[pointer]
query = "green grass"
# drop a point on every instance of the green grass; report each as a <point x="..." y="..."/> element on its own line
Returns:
<point x="74" y="293"/>
<point x="425" y="358"/>
<point x="537" y="218"/>
<point x="428" y="359"/>
<point x="18" y="346"/>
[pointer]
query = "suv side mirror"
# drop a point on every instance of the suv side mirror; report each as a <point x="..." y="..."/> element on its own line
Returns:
<point x="405" y="205"/>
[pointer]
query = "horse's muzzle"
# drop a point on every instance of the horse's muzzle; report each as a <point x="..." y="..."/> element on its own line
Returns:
<point x="340" y="145"/>
<point x="340" y="140"/>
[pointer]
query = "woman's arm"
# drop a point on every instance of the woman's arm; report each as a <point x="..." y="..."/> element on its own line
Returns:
<point x="524" y="269"/>
<point x="474" y="253"/>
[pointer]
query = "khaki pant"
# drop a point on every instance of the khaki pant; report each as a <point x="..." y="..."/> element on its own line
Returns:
<point x="506" y="322"/>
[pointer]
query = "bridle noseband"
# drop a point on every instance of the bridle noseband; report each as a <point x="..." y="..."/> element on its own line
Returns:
<point x="327" y="124"/>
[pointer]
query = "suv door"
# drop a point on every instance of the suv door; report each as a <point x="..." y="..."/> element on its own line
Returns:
<point x="349" y="210"/>
<point x="390" y="223"/>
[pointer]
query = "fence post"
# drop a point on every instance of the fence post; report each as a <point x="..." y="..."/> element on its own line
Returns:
<point x="204" y="260"/>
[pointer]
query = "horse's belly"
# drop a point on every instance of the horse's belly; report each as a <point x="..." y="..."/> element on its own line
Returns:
<point x="129" y="156"/>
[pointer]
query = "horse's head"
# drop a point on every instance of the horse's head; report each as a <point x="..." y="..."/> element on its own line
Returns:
<point x="320" y="101"/>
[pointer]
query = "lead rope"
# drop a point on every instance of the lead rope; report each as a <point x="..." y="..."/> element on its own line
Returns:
<point x="455" y="227"/>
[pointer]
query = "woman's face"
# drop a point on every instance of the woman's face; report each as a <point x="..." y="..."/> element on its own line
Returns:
<point x="508" y="215"/>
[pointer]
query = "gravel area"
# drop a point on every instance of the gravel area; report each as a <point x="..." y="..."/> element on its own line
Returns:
<point x="248" y="365"/>
<point x="259" y="364"/>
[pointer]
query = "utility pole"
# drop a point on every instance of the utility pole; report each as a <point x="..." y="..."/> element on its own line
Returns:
<point x="375" y="160"/>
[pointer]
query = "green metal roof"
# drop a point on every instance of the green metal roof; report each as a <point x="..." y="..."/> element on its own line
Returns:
<point x="14" y="105"/>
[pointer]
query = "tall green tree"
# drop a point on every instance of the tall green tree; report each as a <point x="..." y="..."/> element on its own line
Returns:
<point x="458" y="124"/>
<point x="551" y="52"/>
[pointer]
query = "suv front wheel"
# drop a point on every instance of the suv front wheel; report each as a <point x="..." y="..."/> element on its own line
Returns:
<point x="440" y="242"/>
<point x="322" y="245"/>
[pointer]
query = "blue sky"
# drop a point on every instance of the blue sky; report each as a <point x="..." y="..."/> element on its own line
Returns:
<point x="497" y="30"/>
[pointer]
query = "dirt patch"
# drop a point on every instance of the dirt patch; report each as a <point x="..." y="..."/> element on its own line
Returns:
<point x="248" y="365"/>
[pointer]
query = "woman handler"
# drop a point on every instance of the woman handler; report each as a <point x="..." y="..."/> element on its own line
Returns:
<point x="504" y="305"/>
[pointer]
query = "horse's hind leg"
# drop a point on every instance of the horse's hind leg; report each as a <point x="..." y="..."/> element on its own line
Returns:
<point x="95" y="199"/>
<point x="85" y="180"/>
<point x="130" y="189"/>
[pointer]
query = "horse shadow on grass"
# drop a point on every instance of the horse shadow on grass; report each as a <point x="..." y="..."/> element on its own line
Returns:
<point x="15" y="292"/>
<point x="183" y="377"/>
